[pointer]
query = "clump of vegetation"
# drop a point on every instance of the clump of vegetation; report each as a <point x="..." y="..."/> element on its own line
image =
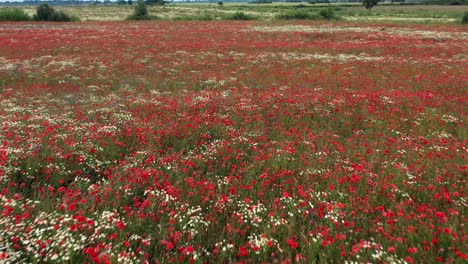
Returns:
<point x="328" y="14"/>
<point x="155" y="2"/>
<point x="260" y="2"/>
<point x="464" y="19"/>
<point x="297" y="14"/>
<point x="457" y="2"/>
<point x="13" y="14"/>
<point x="368" y="4"/>
<point x="44" y="12"/>
<point x="240" y="16"/>
<point x="140" y="12"/>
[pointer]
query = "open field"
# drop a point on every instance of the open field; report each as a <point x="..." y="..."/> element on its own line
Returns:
<point x="431" y="14"/>
<point x="222" y="141"/>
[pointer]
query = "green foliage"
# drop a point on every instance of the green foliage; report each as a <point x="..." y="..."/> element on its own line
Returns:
<point x="220" y="3"/>
<point x="59" y="16"/>
<point x="13" y="14"/>
<point x="297" y="14"/>
<point x="327" y="13"/>
<point x="368" y="4"/>
<point x="121" y="2"/>
<point x="240" y="16"/>
<point x="464" y="19"/>
<point x="260" y="2"/>
<point x="155" y="2"/>
<point x="140" y="9"/>
<point x="324" y="13"/>
<point x="140" y="12"/>
<point x="44" y="12"/>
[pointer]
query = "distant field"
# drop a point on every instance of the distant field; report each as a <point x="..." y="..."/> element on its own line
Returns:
<point x="268" y="11"/>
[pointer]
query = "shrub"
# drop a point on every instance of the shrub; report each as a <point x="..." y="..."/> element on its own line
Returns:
<point x="464" y="19"/>
<point x="44" y="12"/>
<point x="296" y="14"/>
<point x="456" y="2"/>
<point x="140" y="12"/>
<point x="59" y="16"/>
<point x="155" y="2"/>
<point x="240" y="16"/>
<point x="327" y="13"/>
<point x="260" y="2"/>
<point x="13" y="14"/>
<point x="368" y="4"/>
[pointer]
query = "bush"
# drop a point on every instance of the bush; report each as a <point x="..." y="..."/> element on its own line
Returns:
<point x="155" y="2"/>
<point x="456" y="2"/>
<point x="327" y="13"/>
<point x="59" y="16"/>
<point x="240" y="16"/>
<point x="464" y="19"/>
<point x="13" y="14"/>
<point x="368" y="4"/>
<point x="296" y="14"/>
<point x="44" y="12"/>
<point x="140" y="12"/>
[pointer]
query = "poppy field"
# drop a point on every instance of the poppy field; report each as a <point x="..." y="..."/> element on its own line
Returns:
<point x="233" y="142"/>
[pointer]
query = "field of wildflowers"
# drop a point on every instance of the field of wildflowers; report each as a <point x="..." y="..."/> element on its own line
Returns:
<point x="222" y="142"/>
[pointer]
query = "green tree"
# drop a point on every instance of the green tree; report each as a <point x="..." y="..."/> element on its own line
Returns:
<point x="140" y="12"/>
<point x="464" y="19"/>
<point x="140" y="9"/>
<point x="368" y="4"/>
<point x="44" y="12"/>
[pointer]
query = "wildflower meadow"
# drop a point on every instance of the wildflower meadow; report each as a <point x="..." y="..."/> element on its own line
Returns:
<point x="233" y="142"/>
